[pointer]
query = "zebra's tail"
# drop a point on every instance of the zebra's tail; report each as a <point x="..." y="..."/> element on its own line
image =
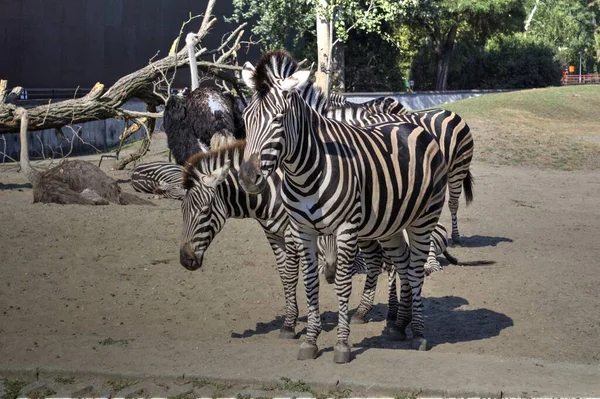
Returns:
<point x="468" y="187"/>
<point x="450" y="258"/>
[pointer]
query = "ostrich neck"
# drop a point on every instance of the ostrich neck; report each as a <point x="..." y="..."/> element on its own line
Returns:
<point x="30" y="172"/>
<point x="189" y="40"/>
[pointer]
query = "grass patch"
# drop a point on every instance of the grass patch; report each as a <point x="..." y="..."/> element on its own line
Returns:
<point x="297" y="386"/>
<point x="556" y="128"/>
<point x="185" y="395"/>
<point x="110" y="341"/>
<point x="41" y="393"/>
<point x="65" y="380"/>
<point x="12" y="388"/>
<point x="118" y="385"/>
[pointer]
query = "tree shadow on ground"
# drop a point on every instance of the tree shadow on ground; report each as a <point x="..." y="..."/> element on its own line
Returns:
<point x="482" y="241"/>
<point x="445" y="322"/>
<point x="15" y="186"/>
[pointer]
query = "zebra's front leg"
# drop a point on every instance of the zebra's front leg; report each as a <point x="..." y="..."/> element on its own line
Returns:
<point x="372" y="255"/>
<point x="347" y="243"/>
<point x="392" y="312"/>
<point x="398" y="256"/>
<point x="419" y="243"/>
<point x="306" y="249"/>
<point x="288" y="272"/>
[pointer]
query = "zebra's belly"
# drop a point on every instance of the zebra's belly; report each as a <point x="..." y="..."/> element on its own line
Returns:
<point x="311" y="216"/>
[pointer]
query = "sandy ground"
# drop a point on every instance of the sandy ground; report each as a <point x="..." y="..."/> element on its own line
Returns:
<point x="76" y="275"/>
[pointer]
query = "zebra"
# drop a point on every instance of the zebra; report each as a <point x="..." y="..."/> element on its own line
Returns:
<point x="359" y="184"/>
<point x="162" y="178"/>
<point x="451" y="131"/>
<point x="211" y="198"/>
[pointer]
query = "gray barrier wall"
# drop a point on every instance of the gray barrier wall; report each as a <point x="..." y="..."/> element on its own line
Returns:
<point x="91" y="137"/>
<point x="422" y="100"/>
<point x="104" y="135"/>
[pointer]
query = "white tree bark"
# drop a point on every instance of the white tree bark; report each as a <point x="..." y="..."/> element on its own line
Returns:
<point x="323" y="48"/>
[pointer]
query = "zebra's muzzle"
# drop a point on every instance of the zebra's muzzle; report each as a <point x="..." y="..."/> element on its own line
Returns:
<point x="250" y="176"/>
<point x="188" y="258"/>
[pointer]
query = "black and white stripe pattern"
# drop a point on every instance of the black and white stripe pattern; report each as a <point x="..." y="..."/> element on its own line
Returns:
<point x="439" y="243"/>
<point x="451" y="131"/>
<point x="161" y="178"/>
<point x="213" y="194"/>
<point x="359" y="184"/>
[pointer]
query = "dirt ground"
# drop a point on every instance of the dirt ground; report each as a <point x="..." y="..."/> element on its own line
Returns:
<point x="105" y="273"/>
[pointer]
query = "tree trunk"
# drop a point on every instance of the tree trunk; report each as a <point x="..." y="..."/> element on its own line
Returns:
<point x="444" y="54"/>
<point x="323" y="46"/>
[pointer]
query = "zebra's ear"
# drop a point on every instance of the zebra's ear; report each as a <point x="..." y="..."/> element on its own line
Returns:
<point x="218" y="176"/>
<point x="247" y="74"/>
<point x="297" y="80"/>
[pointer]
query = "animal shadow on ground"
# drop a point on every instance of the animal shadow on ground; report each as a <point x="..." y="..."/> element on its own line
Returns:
<point x="328" y="321"/>
<point x="15" y="186"/>
<point x="482" y="241"/>
<point x="445" y="322"/>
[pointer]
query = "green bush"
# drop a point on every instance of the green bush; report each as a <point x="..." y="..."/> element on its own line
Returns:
<point x="371" y="64"/>
<point x="505" y="62"/>
<point x="515" y="62"/>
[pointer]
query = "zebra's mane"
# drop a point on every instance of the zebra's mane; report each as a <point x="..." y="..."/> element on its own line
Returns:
<point x="273" y="66"/>
<point x="277" y="65"/>
<point x="207" y="162"/>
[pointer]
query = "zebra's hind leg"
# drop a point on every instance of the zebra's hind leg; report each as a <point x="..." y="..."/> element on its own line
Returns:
<point x="305" y="246"/>
<point x="397" y="254"/>
<point x="455" y="188"/>
<point x="432" y="264"/>
<point x="347" y="243"/>
<point x="288" y="272"/>
<point x="371" y="253"/>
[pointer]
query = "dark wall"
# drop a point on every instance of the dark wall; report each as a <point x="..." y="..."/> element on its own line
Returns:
<point x="70" y="43"/>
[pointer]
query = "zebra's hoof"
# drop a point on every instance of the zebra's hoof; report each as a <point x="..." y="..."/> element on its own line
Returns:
<point x="419" y="344"/>
<point x="287" y="333"/>
<point x="456" y="241"/>
<point x="358" y="319"/>
<point x="341" y="353"/>
<point x="397" y="334"/>
<point x="307" y="351"/>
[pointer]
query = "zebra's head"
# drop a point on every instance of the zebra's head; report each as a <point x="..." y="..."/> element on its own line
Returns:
<point x="203" y="213"/>
<point x="275" y="77"/>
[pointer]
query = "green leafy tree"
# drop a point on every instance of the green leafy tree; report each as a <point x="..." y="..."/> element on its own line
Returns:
<point x="292" y="24"/>
<point x="443" y="22"/>
<point x="568" y="26"/>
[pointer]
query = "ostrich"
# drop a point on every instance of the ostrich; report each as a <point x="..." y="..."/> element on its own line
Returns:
<point x="71" y="182"/>
<point x="206" y="118"/>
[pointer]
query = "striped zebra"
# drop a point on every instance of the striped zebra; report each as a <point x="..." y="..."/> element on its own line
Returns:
<point x="451" y="131"/>
<point x="161" y="178"/>
<point x="213" y="194"/>
<point x="359" y="184"/>
<point x="212" y="198"/>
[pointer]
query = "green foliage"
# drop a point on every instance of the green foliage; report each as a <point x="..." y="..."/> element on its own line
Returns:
<point x="372" y="64"/>
<point x="278" y="23"/>
<point x="567" y="26"/>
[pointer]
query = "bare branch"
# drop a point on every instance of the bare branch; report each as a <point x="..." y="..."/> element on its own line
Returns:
<point x="138" y="114"/>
